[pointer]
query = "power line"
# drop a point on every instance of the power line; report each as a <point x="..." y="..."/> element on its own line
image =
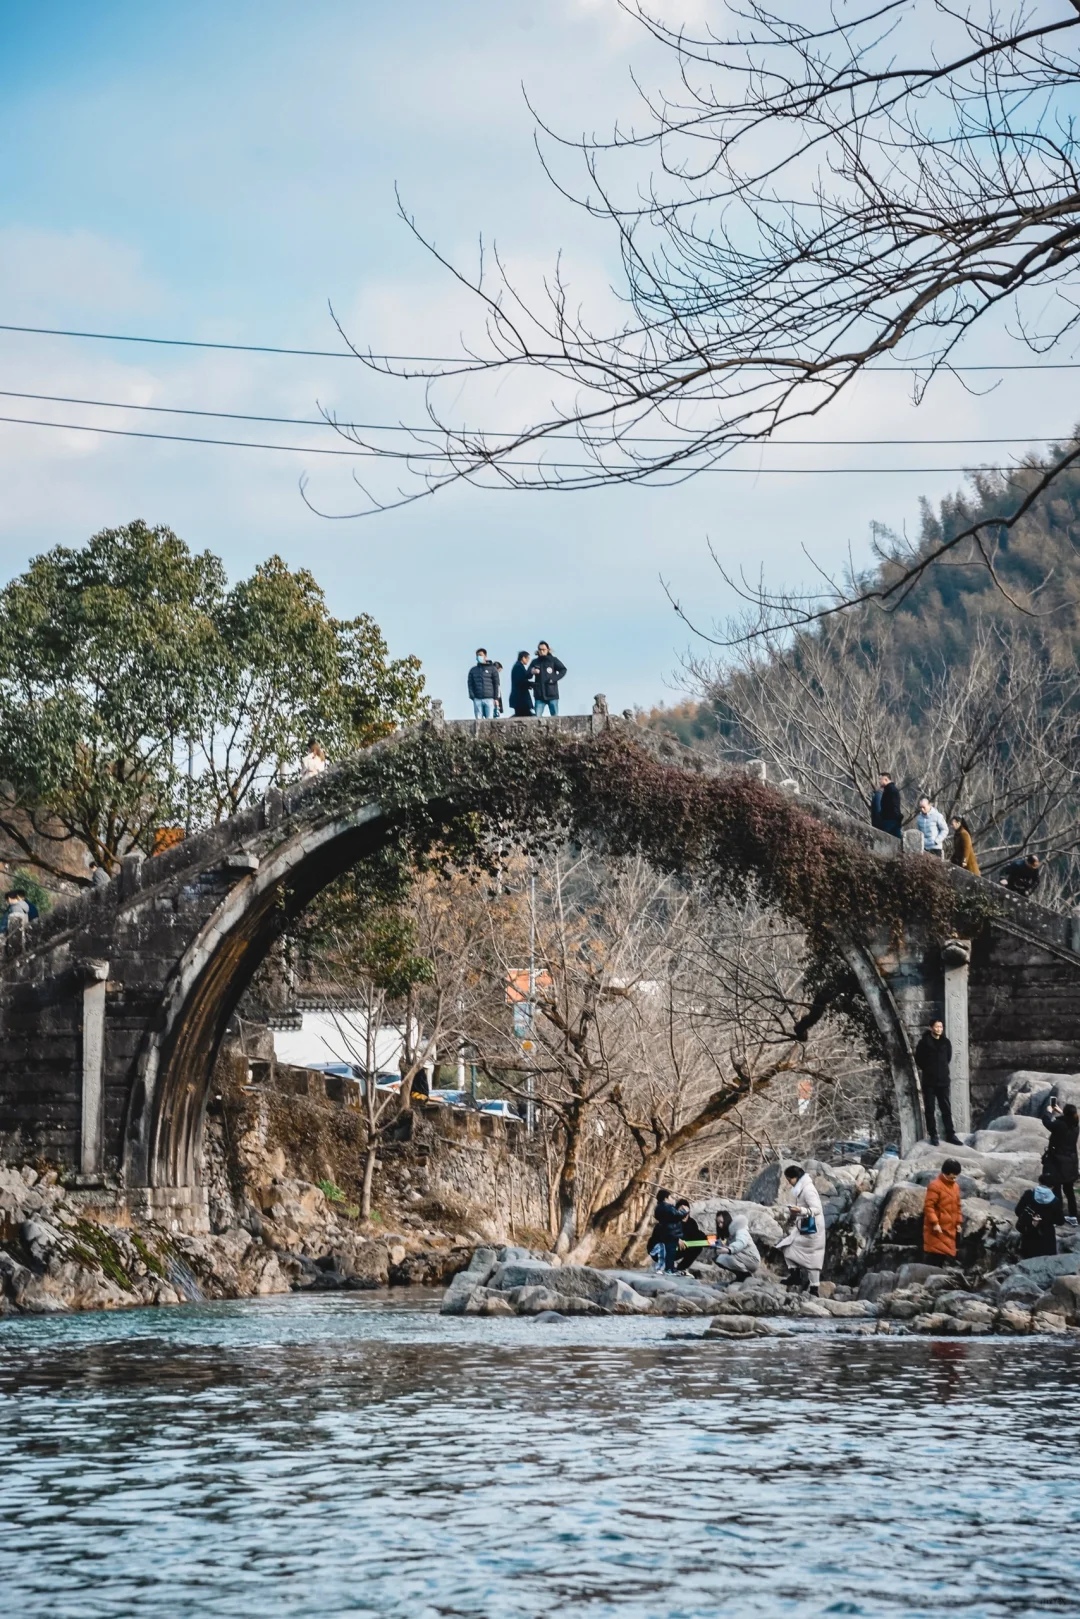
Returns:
<point x="549" y="466"/>
<point x="443" y="359"/>
<point x="382" y="427"/>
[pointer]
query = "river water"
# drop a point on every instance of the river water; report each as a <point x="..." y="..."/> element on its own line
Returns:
<point x="360" y="1454"/>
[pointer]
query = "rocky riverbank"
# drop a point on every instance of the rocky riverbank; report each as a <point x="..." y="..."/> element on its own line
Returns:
<point x="875" y="1280"/>
<point x="61" y="1250"/>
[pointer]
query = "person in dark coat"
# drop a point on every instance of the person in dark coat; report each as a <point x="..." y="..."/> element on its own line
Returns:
<point x="545" y="671"/>
<point x="484" y="686"/>
<point x="521" y="687"/>
<point x="1060" y="1163"/>
<point x="667" y="1231"/>
<point x="1022" y="876"/>
<point x="695" y="1244"/>
<point x="885" y="811"/>
<point x="1037" y="1214"/>
<point x="933" y="1054"/>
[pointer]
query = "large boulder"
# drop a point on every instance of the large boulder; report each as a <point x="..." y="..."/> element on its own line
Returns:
<point x="765" y="1186"/>
<point x="1027" y="1091"/>
<point x="765" y="1228"/>
<point x="758" y="1295"/>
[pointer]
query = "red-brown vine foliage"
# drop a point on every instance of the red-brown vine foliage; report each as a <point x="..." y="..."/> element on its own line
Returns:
<point x="529" y="784"/>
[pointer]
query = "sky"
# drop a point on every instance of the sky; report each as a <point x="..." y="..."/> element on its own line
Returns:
<point x="226" y="173"/>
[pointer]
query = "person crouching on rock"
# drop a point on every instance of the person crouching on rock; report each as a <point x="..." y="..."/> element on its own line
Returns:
<point x="694" y="1241"/>
<point x="736" y="1250"/>
<point x="804" y="1246"/>
<point x="942" y="1216"/>
<point x="667" y="1231"/>
<point x="1038" y="1213"/>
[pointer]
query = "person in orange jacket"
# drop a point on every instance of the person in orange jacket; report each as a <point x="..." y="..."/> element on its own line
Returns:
<point x="942" y="1215"/>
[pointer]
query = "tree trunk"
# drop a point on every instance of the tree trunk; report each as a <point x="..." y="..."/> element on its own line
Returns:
<point x="369" y="1176"/>
<point x="573" y="1124"/>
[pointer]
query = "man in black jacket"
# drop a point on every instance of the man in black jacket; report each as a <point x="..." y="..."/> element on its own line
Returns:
<point x="545" y="672"/>
<point x="1022" y="876"/>
<point x="885" y="811"/>
<point x="484" y="686"/>
<point x="933" y="1055"/>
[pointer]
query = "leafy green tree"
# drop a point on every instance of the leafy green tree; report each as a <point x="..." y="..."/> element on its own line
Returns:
<point x="287" y="671"/>
<point x="103" y="659"/>
<point x="138" y="690"/>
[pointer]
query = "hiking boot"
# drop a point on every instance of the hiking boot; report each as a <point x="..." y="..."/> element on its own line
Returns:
<point x="934" y="1142"/>
<point x="954" y="1141"/>
<point x="1070" y="1219"/>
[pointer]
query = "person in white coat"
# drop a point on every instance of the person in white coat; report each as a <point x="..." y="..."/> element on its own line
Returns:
<point x="804" y="1245"/>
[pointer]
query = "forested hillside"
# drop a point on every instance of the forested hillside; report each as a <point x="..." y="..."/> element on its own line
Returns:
<point x="967" y="690"/>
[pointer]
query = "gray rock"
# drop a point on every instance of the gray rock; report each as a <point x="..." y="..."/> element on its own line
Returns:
<point x="885" y="1171"/>
<point x="550" y="1315"/>
<point x="515" y="1274"/>
<point x="457" y="1295"/>
<point x="1065" y="1298"/>
<point x="622" y="1299"/>
<point x="758" y="1295"/>
<point x="738" y="1326"/>
<point x="876" y="1283"/>
<point x="1029" y="1091"/>
<point x="765" y="1186"/>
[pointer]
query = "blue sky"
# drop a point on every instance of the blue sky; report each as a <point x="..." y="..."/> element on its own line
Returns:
<point x="221" y="172"/>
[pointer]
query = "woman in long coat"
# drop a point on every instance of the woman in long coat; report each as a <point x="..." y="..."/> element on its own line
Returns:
<point x="963" y="850"/>
<point x="804" y="1245"/>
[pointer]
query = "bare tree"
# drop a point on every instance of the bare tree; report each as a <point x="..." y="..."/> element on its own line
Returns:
<point x="816" y="192"/>
<point x="656" y="1018"/>
<point x="991" y="732"/>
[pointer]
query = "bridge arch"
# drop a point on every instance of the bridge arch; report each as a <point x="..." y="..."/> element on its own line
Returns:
<point x="163" y="955"/>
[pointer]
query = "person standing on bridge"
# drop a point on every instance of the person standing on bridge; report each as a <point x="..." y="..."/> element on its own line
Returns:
<point x="963" y="849"/>
<point x="934" y="828"/>
<point x="314" y="761"/>
<point x="484" y="686"/>
<point x="545" y="672"/>
<point x="942" y="1215"/>
<point x="933" y="1054"/>
<point x="885" y="811"/>
<point x="521" y="687"/>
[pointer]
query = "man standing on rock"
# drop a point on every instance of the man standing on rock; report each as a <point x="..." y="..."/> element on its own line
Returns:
<point x="933" y="1054"/>
<point x="942" y="1215"/>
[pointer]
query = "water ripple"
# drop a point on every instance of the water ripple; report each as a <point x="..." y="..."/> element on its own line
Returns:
<point x="365" y="1456"/>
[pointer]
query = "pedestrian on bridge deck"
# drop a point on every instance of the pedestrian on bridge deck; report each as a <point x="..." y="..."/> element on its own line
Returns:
<point x="545" y="671"/>
<point x="885" y="811"/>
<point x="963" y="849"/>
<point x="942" y="1215"/>
<point x="933" y="826"/>
<point x="1022" y="876"/>
<point x="483" y="685"/>
<point x="521" y="687"/>
<point x="933" y="1054"/>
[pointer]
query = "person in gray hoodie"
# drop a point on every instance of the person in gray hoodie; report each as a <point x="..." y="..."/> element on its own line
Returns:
<point x="738" y="1253"/>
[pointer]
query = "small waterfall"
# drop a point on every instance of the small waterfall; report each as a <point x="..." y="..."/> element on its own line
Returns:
<point x="183" y="1280"/>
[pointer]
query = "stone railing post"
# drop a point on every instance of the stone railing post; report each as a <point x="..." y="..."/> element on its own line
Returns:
<point x="93" y="976"/>
<point x="956" y="957"/>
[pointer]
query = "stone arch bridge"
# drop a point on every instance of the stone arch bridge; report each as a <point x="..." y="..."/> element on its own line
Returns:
<point x="113" y="1007"/>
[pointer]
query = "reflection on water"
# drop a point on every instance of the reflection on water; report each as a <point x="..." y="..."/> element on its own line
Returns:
<point x="364" y="1456"/>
